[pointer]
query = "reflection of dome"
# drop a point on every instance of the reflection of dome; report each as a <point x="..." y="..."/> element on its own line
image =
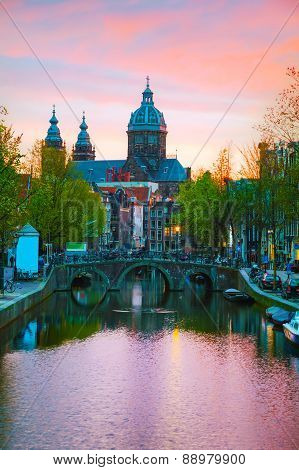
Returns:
<point x="147" y="117"/>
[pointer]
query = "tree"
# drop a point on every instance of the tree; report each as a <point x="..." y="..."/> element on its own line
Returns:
<point x="13" y="194"/>
<point x="281" y="121"/>
<point x="205" y="208"/>
<point x="222" y="170"/>
<point x="63" y="206"/>
<point x="248" y="194"/>
<point x="31" y="165"/>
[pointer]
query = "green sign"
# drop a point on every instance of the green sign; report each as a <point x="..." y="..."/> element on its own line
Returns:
<point x="76" y="246"/>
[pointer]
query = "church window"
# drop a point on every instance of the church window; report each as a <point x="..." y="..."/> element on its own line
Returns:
<point x="152" y="118"/>
<point x="140" y="117"/>
<point x="139" y="139"/>
<point x="152" y="139"/>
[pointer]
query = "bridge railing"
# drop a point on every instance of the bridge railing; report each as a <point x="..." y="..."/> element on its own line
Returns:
<point x="63" y="258"/>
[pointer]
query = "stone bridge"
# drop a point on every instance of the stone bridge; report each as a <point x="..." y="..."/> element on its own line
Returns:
<point x="113" y="272"/>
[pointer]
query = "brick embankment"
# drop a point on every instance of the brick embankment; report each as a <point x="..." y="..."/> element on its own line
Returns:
<point x="26" y="296"/>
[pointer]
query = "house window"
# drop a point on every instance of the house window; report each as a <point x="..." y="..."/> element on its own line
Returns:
<point x="159" y="213"/>
<point x="159" y="223"/>
<point x="159" y="235"/>
<point x="153" y="235"/>
<point x="153" y="213"/>
<point x="153" y="224"/>
<point x="167" y="231"/>
<point x="159" y="246"/>
<point x="153" y="246"/>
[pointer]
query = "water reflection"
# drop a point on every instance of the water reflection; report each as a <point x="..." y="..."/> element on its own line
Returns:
<point x="178" y="361"/>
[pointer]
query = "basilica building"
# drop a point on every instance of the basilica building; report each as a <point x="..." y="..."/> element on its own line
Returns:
<point x="147" y="159"/>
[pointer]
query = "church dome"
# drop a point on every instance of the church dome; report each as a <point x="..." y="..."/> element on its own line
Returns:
<point x="147" y="117"/>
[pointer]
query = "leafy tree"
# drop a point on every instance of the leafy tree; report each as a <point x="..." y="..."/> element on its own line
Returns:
<point x="13" y="194"/>
<point x="205" y="209"/>
<point x="63" y="206"/>
<point x="281" y="122"/>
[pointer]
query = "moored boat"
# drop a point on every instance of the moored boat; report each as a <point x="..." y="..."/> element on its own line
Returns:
<point x="235" y="295"/>
<point x="291" y="329"/>
<point x="270" y="311"/>
<point x="284" y="316"/>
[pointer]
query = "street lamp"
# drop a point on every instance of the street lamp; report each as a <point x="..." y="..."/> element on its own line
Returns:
<point x="177" y="230"/>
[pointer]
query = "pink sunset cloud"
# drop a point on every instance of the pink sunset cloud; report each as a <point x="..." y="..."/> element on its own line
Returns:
<point x="199" y="55"/>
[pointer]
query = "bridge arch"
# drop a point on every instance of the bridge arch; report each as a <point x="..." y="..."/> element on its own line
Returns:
<point x="89" y="270"/>
<point x="141" y="264"/>
<point x="199" y="271"/>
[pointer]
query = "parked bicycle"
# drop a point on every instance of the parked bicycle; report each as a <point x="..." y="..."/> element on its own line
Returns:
<point x="10" y="285"/>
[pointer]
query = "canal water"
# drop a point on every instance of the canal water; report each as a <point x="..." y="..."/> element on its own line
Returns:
<point x="147" y="369"/>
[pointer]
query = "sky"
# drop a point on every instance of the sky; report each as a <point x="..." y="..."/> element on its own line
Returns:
<point x="94" y="56"/>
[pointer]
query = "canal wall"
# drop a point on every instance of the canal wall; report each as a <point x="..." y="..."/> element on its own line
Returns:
<point x="12" y="309"/>
<point x="267" y="299"/>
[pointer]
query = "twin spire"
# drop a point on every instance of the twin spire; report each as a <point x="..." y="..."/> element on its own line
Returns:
<point x="53" y="138"/>
<point x="83" y="149"/>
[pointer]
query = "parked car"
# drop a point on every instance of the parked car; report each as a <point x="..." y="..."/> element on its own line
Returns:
<point x="290" y="288"/>
<point x="267" y="281"/>
<point x="295" y="267"/>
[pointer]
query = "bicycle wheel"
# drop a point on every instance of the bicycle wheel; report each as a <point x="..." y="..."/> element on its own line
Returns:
<point x="10" y="286"/>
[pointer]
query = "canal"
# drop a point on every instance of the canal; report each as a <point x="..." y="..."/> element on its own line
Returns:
<point x="146" y="369"/>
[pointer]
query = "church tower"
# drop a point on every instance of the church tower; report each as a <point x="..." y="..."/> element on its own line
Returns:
<point x="147" y="133"/>
<point x="53" y="138"/>
<point x="83" y="149"/>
